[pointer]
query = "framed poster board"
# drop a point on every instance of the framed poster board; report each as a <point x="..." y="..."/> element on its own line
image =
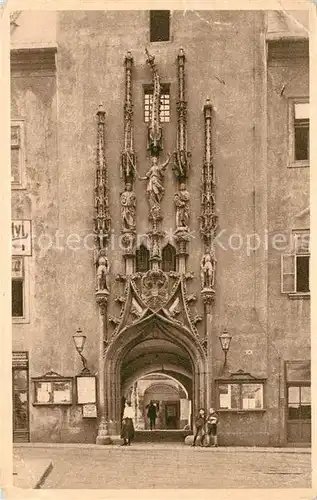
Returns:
<point x="89" y="411"/>
<point x="86" y="389"/>
<point x="52" y="389"/>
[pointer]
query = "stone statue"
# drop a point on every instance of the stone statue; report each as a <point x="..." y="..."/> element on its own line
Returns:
<point x="181" y="200"/>
<point x="207" y="266"/>
<point x="128" y="210"/>
<point x="155" y="177"/>
<point x="155" y="130"/>
<point x="103" y="273"/>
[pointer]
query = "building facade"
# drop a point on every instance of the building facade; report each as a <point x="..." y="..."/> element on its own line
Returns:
<point x="160" y="197"/>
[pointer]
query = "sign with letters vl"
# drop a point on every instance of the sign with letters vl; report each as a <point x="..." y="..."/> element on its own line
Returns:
<point x="21" y="237"/>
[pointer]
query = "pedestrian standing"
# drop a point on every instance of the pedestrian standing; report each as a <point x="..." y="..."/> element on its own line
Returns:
<point x="200" y="427"/>
<point x="211" y="427"/>
<point x="152" y="414"/>
<point x="127" y="431"/>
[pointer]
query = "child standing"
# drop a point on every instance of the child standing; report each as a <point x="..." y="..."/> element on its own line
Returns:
<point x="200" y="427"/>
<point x="211" y="427"/>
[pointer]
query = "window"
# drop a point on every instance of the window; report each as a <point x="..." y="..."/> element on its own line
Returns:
<point x="295" y="266"/>
<point x="299" y="133"/>
<point x="142" y="259"/>
<point x="17" y="154"/>
<point x="240" y="396"/>
<point x="169" y="258"/>
<point x="164" y="104"/>
<point x="159" y="25"/>
<point x="17" y="289"/>
<point x="299" y="402"/>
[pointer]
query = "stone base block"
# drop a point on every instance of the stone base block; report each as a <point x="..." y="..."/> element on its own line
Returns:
<point x="189" y="440"/>
<point x="103" y="440"/>
<point x="116" y="440"/>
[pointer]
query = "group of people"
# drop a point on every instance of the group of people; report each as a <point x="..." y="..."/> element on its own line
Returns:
<point x="206" y="427"/>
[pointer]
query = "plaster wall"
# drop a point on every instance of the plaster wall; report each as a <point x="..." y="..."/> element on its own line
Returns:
<point x="60" y="115"/>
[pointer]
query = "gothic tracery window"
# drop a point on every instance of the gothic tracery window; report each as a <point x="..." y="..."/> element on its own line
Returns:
<point x="169" y="258"/>
<point x="142" y="259"/>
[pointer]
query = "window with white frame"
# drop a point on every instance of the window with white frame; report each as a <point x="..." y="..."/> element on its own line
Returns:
<point x="164" y="103"/>
<point x="299" y="132"/>
<point x="17" y="287"/>
<point x="240" y="396"/>
<point x="295" y="266"/>
<point x="17" y="153"/>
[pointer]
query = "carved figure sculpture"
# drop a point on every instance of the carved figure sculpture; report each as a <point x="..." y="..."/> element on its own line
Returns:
<point x="207" y="266"/>
<point x="103" y="273"/>
<point x="181" y="200"/>
<point x="155" y="131"/>
<point x="128" y="210"/>
<point x="155" y="177"/>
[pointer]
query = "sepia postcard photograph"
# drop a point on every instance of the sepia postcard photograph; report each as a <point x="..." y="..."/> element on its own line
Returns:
<point x="160" y="302"/>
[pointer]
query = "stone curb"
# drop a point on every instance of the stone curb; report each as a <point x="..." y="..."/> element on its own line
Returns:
<point x="141" y="446"/>
<point x="31" y="475"/>
<point x="42" y="479"/>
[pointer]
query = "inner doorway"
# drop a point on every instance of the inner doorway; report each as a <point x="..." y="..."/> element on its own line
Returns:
<point x="20" y="397"/>
<point x="172" y="406"/>
<point x="298" y="401"/>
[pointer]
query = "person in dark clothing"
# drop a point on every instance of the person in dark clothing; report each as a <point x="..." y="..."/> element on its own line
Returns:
<point x="127" y="431"/>
<point x="211" y="427"/>
<point x="152" y="414"/>
<point x="200" y="427"/>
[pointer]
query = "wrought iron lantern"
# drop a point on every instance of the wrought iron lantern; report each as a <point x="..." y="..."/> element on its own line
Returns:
<point x="79" y="340"/>
<point x="225" y="341"/>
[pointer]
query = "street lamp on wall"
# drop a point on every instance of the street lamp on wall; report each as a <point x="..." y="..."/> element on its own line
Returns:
<point x="79" y="341"/>
<point x="225" y="341"/>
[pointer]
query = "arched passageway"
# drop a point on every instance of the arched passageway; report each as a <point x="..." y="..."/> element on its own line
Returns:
<point x="155" y="346"/>
<point x="169" y="396"/>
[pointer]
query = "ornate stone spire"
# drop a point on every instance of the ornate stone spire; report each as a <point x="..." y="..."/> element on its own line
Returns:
<point x="155" y="175"/>
<point x="208" y="218"/>
<point x="182" y="157"/>
<point x="128" y="157"/>
<point x="128" y="171"/>
<point x="102" y="221"/>
<point x="155" y="129"/>
<point x="181" y="168"/>
<point x="102" y="226"/>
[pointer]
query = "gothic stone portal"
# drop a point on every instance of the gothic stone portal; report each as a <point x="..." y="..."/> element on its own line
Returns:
<point x="154" y="345"/>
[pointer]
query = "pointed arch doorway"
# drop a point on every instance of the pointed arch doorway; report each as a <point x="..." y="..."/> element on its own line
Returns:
<point x="154" y="344"/>
<point x="170" y="397"/>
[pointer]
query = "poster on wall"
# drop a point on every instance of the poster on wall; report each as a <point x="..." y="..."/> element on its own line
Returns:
<point x="86" y="389"/>
<point x="21" y="237"/>
<point x="52" y="392"/>
<point x="89" y="411"/>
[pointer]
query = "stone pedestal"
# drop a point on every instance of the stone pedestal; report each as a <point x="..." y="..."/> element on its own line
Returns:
<point x="103" y="433"/>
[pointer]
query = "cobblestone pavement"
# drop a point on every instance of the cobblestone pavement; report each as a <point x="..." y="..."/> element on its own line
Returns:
<point x="171" y="466"/>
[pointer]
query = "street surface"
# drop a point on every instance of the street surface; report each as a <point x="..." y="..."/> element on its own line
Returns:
<point x="145" y="465"/>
